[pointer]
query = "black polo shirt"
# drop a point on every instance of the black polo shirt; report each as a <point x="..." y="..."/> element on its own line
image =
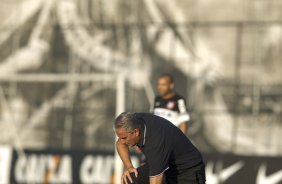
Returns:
<point x="165" y="146"/>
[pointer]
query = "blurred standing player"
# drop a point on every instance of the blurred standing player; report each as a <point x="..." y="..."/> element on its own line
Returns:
<point x="169" y="104"/>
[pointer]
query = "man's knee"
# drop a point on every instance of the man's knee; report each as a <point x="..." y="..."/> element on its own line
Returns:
<point x="134" y="179"/>
<point x="143" y="175"/>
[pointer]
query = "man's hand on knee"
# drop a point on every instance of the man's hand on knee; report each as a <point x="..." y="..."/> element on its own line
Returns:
<point x="128" y="175"/>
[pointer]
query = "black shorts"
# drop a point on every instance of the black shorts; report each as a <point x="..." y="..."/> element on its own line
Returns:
<point x="193" y="175"/>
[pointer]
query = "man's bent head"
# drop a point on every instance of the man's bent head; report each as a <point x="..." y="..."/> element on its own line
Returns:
<point x="128" y="128"/>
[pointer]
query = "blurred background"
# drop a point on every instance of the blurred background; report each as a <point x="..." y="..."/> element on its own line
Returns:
<point x="68" y="67"/>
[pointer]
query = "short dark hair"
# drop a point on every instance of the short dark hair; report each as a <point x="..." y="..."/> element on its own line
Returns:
<point x="128" y="121"/>
<point x="168" y="75"/>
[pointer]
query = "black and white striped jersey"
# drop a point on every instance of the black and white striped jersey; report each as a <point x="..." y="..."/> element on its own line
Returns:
<point x="173" y="109"/>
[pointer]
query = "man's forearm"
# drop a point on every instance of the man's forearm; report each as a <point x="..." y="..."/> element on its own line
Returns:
<point x="123" y="152"/>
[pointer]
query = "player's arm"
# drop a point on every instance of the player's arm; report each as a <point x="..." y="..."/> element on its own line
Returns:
<point x="156" y="179"/>
<point x="123" y="152"/>
<point x="183" y="127"/>
<point x="183" y="116"/>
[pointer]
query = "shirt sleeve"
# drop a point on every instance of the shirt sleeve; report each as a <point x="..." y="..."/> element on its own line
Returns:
<point x="183" y="114"/>
<point x="158" y="159"/>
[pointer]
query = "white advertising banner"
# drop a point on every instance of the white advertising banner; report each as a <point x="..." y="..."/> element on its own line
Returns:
<point x="5" y="164"/>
